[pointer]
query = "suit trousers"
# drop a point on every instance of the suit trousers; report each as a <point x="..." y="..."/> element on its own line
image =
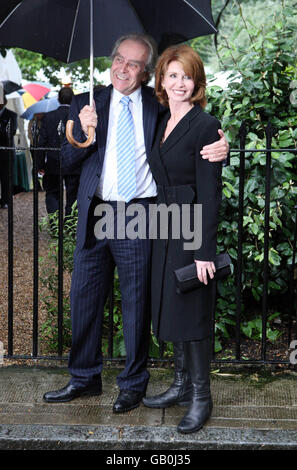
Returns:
<point x="51" y="187"/>
<point x="91" y="282"/>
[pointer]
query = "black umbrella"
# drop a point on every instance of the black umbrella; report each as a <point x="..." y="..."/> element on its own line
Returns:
<point x="60" y="28"/>
<point x="9" y="87"/>
<point x="6" y="8"/>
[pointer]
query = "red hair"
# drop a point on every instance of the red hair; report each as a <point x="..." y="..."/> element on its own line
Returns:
<point x="192" y="66"/>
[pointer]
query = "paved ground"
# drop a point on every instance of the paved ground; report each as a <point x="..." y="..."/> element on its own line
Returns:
<point x="252" y="410"/>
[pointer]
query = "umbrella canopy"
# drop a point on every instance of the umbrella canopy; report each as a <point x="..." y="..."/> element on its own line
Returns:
<point x="59" y="28"/>
<point x="33" y="92"/>
<point x="64" y="29"/>
<point x="37" y="89"/>
<point x="28" y="100"/>
<point x="6" y="8"/>
<point x="43" y="106"/>
<point x="9" y="87"/>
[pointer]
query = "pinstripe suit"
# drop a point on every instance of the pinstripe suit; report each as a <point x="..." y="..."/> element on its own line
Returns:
<point x="94" y="260"/>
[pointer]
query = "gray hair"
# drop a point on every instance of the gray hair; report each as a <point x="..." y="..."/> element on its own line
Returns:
<point x="147" y="41"/>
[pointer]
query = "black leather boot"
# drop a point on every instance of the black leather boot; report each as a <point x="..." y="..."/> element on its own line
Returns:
<point x="180" y="391"/>
<point x="197" y="354"/>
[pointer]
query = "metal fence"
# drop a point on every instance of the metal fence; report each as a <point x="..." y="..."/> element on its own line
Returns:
<point x="237" y="359"/>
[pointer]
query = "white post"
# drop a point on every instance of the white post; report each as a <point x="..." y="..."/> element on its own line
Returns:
<point x="91" y="53"/>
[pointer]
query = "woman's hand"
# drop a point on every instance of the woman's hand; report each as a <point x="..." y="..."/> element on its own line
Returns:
<point x="204" y="267"/>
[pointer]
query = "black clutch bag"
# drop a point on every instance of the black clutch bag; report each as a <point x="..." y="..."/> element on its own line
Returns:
<point x="187" y="280"/>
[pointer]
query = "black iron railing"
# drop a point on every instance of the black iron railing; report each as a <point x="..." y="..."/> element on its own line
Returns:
<point x="242" y="151"/>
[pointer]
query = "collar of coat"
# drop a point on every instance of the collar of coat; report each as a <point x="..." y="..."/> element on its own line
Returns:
<point x="179" y="130"/>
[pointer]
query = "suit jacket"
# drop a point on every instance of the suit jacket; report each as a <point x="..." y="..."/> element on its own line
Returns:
<point x="184" y="178"/>
<point x="49" y="137"/>
<point x="91" y="159"/>
<point x="7" y="116"/>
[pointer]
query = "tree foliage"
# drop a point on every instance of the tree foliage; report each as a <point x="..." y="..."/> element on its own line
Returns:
<point x="228" y="17"/>
<point x="31" y="63"/>
<point x="261" y="90"/>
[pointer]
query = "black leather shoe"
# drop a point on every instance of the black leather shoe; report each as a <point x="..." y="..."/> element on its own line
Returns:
<point x="127" y="400"/>
<point x="70" y="392"/>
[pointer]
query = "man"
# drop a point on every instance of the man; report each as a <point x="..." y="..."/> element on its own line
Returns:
<point x="48" y="162"/>
<point x="94" y="261"/>
<point x="6" y="116"/>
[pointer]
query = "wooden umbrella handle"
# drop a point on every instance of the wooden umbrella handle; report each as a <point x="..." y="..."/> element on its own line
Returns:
<point x="75" y="143"/>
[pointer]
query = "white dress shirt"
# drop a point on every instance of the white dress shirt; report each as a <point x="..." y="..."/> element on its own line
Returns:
<point x="145" y="185"/>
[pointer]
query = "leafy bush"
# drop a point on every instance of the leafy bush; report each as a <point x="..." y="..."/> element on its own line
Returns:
<point x="253" y="328"/>
<point x="49" y="279"/>
<point x="261" y="90"/>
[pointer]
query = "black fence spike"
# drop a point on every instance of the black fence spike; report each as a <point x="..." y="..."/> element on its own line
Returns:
<point x="61" y="131"/>
<point x="8" y="129"/>
<point x="243" y="129"/>
<point x="269" y="131"/>
<point x="35" y="133"/>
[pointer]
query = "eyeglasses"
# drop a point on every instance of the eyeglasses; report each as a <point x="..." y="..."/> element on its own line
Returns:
<point x="133" y="66"/>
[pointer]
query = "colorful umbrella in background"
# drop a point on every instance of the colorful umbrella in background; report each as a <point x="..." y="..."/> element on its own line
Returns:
<point x="43" y="106"/>
<point x="34" y="91"/>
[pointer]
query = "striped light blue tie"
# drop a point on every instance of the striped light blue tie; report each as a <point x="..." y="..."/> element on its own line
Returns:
<point x="126" y="152"/>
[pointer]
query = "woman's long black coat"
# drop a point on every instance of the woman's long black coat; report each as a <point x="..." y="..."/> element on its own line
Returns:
<point x="183" y="177"/>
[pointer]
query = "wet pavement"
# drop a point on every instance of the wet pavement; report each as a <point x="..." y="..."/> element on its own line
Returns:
<point x="252" y="410"/>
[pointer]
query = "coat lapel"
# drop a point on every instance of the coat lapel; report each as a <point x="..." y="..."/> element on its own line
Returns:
<point x="150" y="116"/>
<point x="102" y="101"/>
<point x="154" y="158"/>
<point x="180" y="130"/>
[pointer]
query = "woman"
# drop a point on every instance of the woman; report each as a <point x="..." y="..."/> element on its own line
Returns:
<point x="185" y="178"/>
